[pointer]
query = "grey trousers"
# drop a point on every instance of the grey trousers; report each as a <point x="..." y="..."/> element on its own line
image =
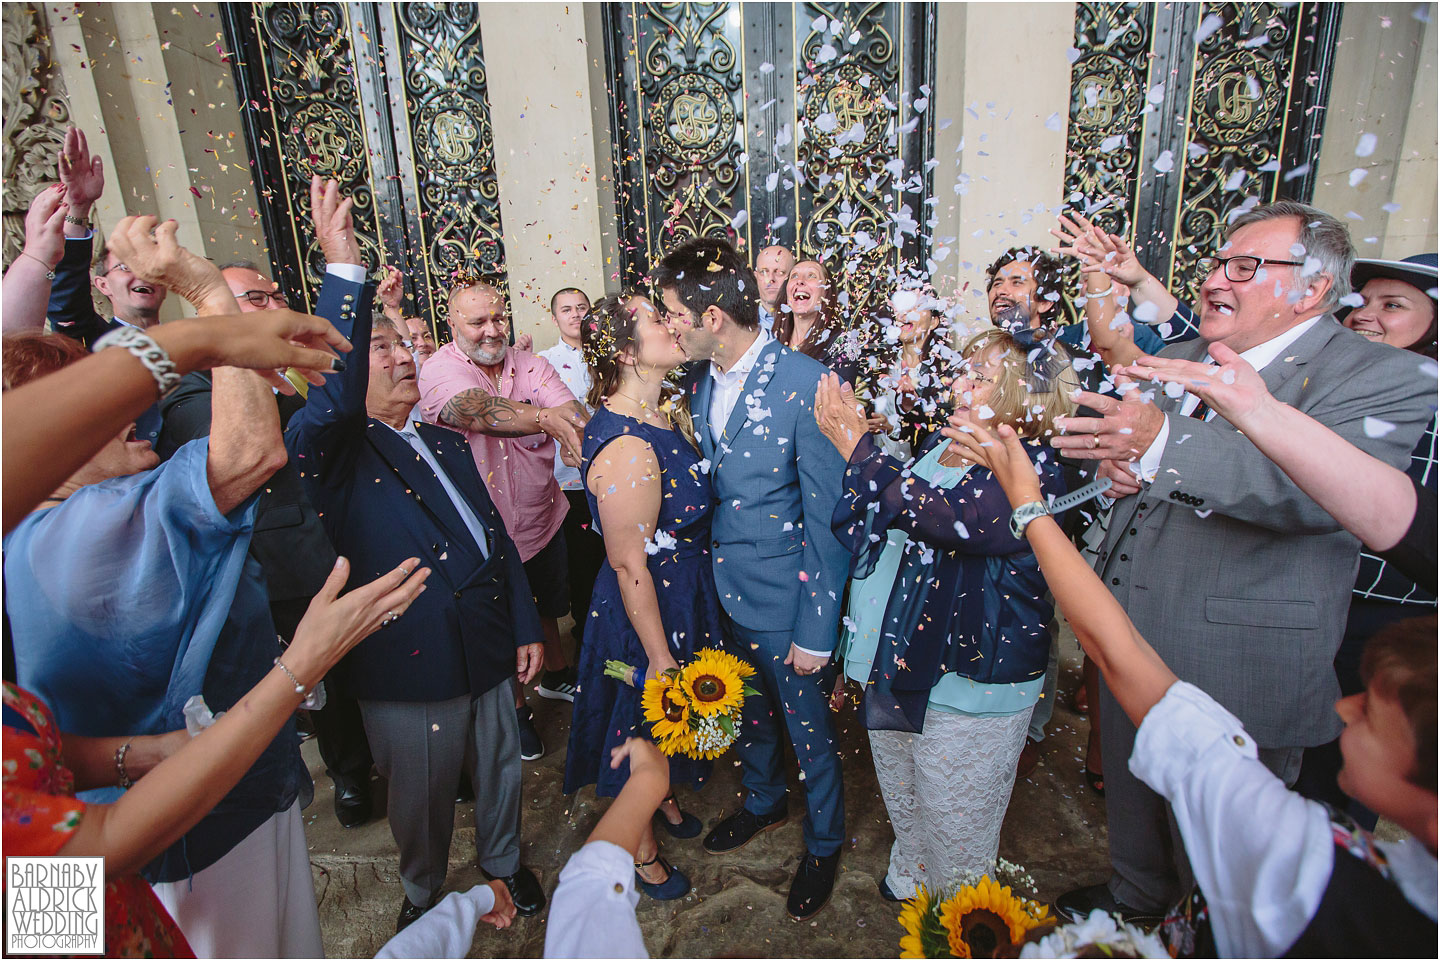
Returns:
<point x="1147" y="853"/>
<point x="421" y="747"/>
<point x="1045" y="707"/>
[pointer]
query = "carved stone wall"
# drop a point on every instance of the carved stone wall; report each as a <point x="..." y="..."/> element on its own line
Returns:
<point x="36" y="113"/>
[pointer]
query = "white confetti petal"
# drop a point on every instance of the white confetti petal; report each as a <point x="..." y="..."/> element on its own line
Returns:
<point x="1375" y="427"/>
<point x="1357" y="175"/>
<point x="1366" y="146"/>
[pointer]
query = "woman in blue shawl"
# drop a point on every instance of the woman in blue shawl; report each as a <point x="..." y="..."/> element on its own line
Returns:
<point x="947" y="627"/>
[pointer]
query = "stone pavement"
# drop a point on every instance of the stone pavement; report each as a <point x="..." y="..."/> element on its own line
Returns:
<point x="1055" y="828"/>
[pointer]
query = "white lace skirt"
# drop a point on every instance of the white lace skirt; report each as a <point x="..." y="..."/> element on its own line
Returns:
<point x="947" y="790"/>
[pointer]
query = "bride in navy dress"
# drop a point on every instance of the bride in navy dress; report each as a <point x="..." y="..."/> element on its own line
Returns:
<point x="654" y="603"/>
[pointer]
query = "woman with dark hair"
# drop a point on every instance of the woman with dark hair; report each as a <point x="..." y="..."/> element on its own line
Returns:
<point x="911" y="379"/>
<point x="1397" y="307"/>
<point x="650" y="496"/>
<point x="809" y="321"/>
<point x="947" y="628"/>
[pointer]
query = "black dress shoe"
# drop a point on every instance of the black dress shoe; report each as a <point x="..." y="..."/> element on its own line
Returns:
<point x="888" y="894"/>
<point x="352" y="805"/>
<point x="814" y="880"/>
<point x="1076" y="905"/>
<point x="409" y="914"/>
<point x="525" y="891"/>
<point x="735" y="832"/>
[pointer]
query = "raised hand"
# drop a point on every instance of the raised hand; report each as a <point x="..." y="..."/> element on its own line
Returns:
<point x="391" y="290"/>
<point x="839" y="415"/>
<point x="265" y="341"/>
<point x="334" y="227"/>
<point x="1233" y="389"/>
<point x="1004" y="455"/>
<point x="82" y="174"/>
<point x="152" y="253"/>
<point x="45" y="226"/>
<point x="1124" y="430"/>
<point x="524" y="341"/>
<point x="332" y="625"/>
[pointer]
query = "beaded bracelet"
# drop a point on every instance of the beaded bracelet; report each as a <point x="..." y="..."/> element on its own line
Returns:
<point x="299" y="688"/>
<point x="145" y="350"/>
<point x="120" y="753"/>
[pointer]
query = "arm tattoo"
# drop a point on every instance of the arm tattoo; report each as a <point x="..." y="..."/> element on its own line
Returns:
<point x="485" y="413"/>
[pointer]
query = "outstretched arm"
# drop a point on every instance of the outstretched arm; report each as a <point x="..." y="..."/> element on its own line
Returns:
<point x="245" y="442"/>
<point x="183" y="788"/>
<point x="1327" y="467"/>
<point x="1136" y="674"/>
<point x="27" y="282"/>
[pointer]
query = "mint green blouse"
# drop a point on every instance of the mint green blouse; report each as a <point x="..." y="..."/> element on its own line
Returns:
<point x="868" y="596"/>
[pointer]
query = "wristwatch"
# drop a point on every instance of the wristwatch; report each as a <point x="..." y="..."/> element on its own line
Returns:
<point x="1024" y="514"/>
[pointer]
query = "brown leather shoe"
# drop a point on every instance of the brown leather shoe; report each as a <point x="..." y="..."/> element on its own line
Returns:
<point x="1029" y="757"/>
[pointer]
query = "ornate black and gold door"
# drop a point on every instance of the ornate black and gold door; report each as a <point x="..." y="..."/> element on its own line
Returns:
<point x="1182" y="114"/>
<point x="391" y="100"/>
<point x="799" y="124"/>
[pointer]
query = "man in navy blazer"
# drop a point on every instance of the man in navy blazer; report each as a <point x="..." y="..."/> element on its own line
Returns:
<point x="436" y="687"/>
<point x="779" y="570"/>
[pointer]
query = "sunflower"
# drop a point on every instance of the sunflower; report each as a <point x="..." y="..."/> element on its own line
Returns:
<point x="712" y="683"/>
<point x="984" y="919"/>
<point x="924" y="934"/>
<point x="665" y="707"/>
<point x="678" y="740"/>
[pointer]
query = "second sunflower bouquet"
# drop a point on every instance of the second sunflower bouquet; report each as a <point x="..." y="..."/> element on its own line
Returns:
<point x="695" y="710"/>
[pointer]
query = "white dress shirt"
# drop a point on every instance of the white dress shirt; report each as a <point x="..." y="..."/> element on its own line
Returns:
<point x="569" y="363"/>
<point x="1258" y="357"/>
<point x="1261" y="853"/>
<point x="729" y="385"/>
<point x="592" y="912"/>
<point x="767" y="320"/>
<point x="445" y="931"/>
<point x="462" y="506"/>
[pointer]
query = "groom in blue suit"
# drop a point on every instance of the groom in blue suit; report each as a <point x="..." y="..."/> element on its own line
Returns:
<point x="779" y="570"/>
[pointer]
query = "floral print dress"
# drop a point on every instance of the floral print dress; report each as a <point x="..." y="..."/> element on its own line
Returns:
<point x="42" y="813"/>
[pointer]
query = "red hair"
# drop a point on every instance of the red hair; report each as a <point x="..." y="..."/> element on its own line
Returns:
<point x="32" y="355"/>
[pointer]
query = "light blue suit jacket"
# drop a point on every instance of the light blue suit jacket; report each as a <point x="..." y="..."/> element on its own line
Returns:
<point x="776" y="478"/>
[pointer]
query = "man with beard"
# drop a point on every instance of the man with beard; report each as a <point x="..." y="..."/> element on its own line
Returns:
<point x="511" y="405"/>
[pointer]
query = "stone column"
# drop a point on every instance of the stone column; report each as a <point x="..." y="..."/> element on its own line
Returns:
<point x="537" y="66"/>
<point x="1383" y="87"/>
<point x="1003" y="83"/>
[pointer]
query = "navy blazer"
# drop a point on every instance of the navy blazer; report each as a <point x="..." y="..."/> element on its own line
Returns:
<point x="382" y="503"/>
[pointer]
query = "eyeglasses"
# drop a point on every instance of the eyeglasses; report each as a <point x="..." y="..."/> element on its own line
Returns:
<point x="262" y="298"/>
<point x="1239" y="269"/>
<point x="114" y="268"/>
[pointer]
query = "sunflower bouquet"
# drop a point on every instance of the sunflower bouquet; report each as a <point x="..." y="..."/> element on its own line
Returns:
<point x="695" y="710"/>
<point x="979" y="920"/>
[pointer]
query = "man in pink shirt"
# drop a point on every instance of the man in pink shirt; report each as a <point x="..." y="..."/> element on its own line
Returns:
<point x="510" y="405"/>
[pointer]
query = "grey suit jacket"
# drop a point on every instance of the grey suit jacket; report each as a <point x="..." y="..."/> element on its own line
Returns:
<point x="1239" y="580"/>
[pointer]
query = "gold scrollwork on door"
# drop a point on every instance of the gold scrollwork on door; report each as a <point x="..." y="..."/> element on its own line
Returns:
<point x="1107" y="95"/>
<point x="1238" y="110"/>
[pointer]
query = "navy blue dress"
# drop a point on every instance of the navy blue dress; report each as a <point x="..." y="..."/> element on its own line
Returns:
<point x="607" y="711"/>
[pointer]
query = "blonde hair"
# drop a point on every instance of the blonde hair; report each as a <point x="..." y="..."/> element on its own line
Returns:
<point x="1016" y="397"/>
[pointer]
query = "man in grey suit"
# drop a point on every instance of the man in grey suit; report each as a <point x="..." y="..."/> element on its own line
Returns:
<point x="1237" y="577"/>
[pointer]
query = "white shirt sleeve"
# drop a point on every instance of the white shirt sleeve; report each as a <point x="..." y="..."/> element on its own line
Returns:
<point x="1262" y="854"/>
<point x="1150" y="460"/>
<point x="355" y="273"/>
<point x="592" y="912"/>
<point x="805" y="650"/>
<point x="446" y="930"/>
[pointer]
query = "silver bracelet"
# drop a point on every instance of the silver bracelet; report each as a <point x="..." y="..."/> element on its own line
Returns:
<point x="299" y="688"/>
<point x="120" y="753"/>
<point x="145" y="350"/>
